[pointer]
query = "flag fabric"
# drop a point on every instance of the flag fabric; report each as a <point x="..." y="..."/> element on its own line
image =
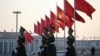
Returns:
<point x="38" y="27"/>
<point x="85" y="7"/>
<point x="28" y="37"/>
<point x="69" y="11"/>
<point x="40" y="30"/>
<point x="61" y="17"/>
<point x="54" y="21"/>
<point x="47" y="20"/>
<point x="35" y="28"/>
<point x="59" y="24"/>
<point x="42" y="25"/>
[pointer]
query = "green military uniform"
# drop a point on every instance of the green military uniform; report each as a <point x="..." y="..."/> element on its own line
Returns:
<point x="70" y="48"/>
<point x="21" y="40"/>
<point x="48" y="46"/>
<point x="44" y="46"/>
<point x="51" y="46"/>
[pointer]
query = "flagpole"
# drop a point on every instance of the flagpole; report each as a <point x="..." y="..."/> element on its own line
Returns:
<point x="56" y="28"/>
<point x="64" y="27"/>
<point x="40" y="28"/>
<point x="50" y="16"/>
<point x="16" y="12"/>
<point x="75" y="22"/>
<point x="37" y="28"/>
<point x="45" y="19"/>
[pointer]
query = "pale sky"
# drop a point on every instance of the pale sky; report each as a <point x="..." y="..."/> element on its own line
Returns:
<point x="34" y="10"/>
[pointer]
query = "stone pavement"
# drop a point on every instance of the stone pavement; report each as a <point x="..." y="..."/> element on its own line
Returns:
<point x="86" y="53"/>
<point x="89" y="54"/>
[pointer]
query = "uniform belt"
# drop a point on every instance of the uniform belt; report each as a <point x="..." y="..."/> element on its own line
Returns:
<point x="51" y="43"/>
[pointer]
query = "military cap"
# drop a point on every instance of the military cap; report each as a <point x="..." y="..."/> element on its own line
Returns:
<point x="51" y="26"/>
<point x="22" y="28"/>
<point x="46" y="29"/>
<point x="71" y="30"/>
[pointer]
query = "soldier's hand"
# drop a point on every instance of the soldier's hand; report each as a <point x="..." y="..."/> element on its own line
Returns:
<point x="69" y="47"/>
<point x="18" y="46"/>
<point x="41" y="47"/>
<point x="45" y="45"/>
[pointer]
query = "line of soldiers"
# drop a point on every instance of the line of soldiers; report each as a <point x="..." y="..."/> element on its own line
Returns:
<point x="47" y="48"/>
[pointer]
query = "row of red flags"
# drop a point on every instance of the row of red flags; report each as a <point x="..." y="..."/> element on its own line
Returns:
<point x="65" y="17"/>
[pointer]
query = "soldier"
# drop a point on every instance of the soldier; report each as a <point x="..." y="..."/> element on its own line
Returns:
<point x="44" y="46"/>
<point x="70" y="48"/>
<point x="21" y="40"/>
<point x="71" y="38"/>
<point x="48" y="48"/>
<point x="51" y="40"/>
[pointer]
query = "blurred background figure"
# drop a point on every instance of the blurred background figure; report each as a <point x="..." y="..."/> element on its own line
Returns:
<point x="92" y="51"/>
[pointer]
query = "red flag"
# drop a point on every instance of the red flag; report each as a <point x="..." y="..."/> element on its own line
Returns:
<point x="35" y="28"/>
<point x="54" y="21"/>
<point x="58" y="22"/>
<point x="61" y="24"/>
<point x="38" y="27"/>
<point x="43" y="24"/>
<point x="60" y="14"/>
<point x="69" y="11"/>
<point x="28" y="37"/>
<point x="85" y="7"/>
<point x="47" y="21"/>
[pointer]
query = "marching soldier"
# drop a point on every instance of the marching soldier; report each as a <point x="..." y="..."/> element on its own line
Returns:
<point x="21" y="40"/>
<point x="51" y="40"/>
<point x="48" y="48"/>
<point x="70" y="48"/>
<point x="44" y="46"/>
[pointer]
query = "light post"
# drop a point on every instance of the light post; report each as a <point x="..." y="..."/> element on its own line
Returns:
<point x="16" y="12"/>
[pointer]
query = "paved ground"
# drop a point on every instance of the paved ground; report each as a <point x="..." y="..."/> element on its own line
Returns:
<point x="61" y="54"/>
<point x="97" y="54"/>
<point x="88" y="54"/>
